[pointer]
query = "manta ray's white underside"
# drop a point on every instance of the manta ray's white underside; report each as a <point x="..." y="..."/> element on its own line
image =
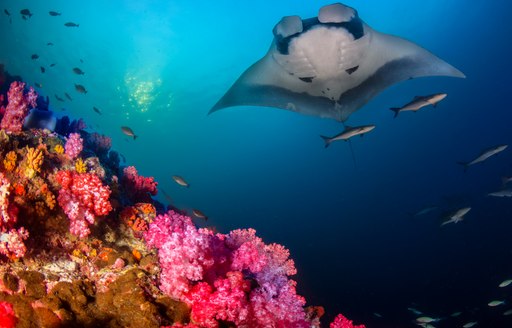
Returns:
<point x="330" y="66"/>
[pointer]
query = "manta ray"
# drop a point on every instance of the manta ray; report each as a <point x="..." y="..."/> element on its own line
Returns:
<point x="330" y="66"/>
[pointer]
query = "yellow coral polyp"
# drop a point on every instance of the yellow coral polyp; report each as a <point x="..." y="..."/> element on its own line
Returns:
<point x="10" y="160"/>
<point x="80" y="166"/>
<point x="59" y="149"/>
<point x="34" y="161"/>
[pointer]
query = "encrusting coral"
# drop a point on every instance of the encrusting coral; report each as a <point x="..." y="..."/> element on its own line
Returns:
<point x="84" y="243"/>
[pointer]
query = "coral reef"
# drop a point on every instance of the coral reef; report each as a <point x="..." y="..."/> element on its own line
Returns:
<point x="84" y="244"/>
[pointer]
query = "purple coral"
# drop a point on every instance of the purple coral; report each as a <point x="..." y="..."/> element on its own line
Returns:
<point x="234" y="277"/>
<point x="74" y="145"/>
<point x="19" y="104"/>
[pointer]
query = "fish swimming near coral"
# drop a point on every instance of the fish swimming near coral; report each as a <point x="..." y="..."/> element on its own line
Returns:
<point x="129" y="132"/>
<point x="7" y="12"/>
<point x="179" y="180"/>
<point x="59" y="98"/>
<point x="71" y="24"/>
<point x="419" y="102"/>
<point x="485" y="154"/>
<point x="97" y="110"/>
<point x="330" y="66"/>
<point x="68" y="96"/>
<point x="34" y="56"/>
<point x="199" y="214"/>
<point x="348" y="133"/>
<point x="54" y="13"/>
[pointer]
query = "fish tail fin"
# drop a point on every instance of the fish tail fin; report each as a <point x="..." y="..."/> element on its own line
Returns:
<point x="396" y="111"/>
<point x="327" y="141"/>
<point x="135" y="137"/>
<point x="465" y="165"/>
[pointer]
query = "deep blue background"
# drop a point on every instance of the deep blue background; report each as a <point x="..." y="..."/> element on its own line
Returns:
<point x="158" y="67"/>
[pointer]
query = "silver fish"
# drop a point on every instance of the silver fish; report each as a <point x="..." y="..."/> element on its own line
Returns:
<point x="501" y="193"/>
<point x="484" y="155"/>
<point x="505" y="283"/>
<point x="425" y="210"/>
<point x="456" y="216"/>
<point x="495" y="303"/>
<point x="179" y="180"/>
<point x="419" y="102"/>
<point x="198" y="214"/>
<point x="348" y="133"/>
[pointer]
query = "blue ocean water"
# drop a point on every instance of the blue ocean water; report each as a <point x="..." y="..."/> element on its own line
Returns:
<point x="159" y="66"/>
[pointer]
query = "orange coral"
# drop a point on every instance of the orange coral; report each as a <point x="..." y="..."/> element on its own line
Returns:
<point x="138" y="217"/>
<point x="10" y="160"/>
<point x="34" y="161"/>
<point x="19" y="189"/>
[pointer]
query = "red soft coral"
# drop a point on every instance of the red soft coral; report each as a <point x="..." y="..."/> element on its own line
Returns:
<point x="342" y="322"/>
<point x="18" y="106"/>
<point x="82" y="197"/>
<point x="74" y="145"/>
<point x="7" y="317"/>
<point x="137" y="187"/>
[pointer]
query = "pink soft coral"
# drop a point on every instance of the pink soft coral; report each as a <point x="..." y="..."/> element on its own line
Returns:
<point x="74" y="145"/>
<point x="234" y="277"/>
<point x="342" y="322"/>
<point x="18" y="106"/>
<point x="82" y="197"/>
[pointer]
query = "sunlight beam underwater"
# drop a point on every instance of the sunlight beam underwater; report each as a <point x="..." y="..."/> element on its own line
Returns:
<point x="330" y="66"/>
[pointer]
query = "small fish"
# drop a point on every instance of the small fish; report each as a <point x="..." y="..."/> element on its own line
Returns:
<point x="501" y="193"/>
<point x="34" y="56"/>
<point x="59" y="98"/>
<point x="71" y="24"/>
<point x="506" y="180"/>
<point x="378" y="315"/>
<point x="508" y="312"/>
<point x="455" y="314"/>
<point x="348" y="133"/>
<point x="426" y="320"/>
<point x="167" y="196"/>
<point x="470" y="324"/>
<point x="7" y="12"/>
<point x="496" y="303"/>
<point x="456" y="216"/>
<point x="200" y="215"/>
<point x="80" y="88"/>
<point x="419" y="102"/>
<point x="78" y="71"/>
<point x="53" y="64"/>
<point x="37" y="84"/>
<point x="96" y="109"/>
<point x="129" y="132"/>
<point x="43" y="69"/>
<point x="415" y="311"/>
<point x="68" y="96"/>
<point x="81" y="61"/>
<point x="505" y="283"/>
<point x="425" y="210"/>
<point x="49" y="44"/>
<point x="485" y="154"/>
<point x="54" y="13"/>
<point x="179" y="180"/>
<point x="25" y="12"/>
